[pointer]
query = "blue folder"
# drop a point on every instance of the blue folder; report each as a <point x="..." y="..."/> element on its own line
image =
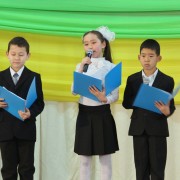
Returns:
<point x="82" y="82"/>
<point x="176" y="90"/>
<point x="32" y="94"/>
<point x="148" y="95"/>
<point x="16" y="103"/>
<point x="113" y="78"/>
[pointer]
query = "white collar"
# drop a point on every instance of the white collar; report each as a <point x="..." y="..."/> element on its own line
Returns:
<point x="97" y="59"/>
<point x="19" y="72"/>
<point x="149" y="79"/>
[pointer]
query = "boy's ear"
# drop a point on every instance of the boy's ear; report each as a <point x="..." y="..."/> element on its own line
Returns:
<point x="29" y="56"/>
<point x="138" y="57"/>
<point x="159" y="58"/>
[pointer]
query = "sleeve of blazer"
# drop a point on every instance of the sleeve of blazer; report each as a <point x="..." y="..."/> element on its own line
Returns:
<point x="133" y="84"/>
<point x="170" y="90"/>
<point x="38" y="106"/>
<point x="128" y="95"/>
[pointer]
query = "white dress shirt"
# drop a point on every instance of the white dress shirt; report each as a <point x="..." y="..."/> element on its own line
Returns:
<point x="149" y="79"/>
<point x="19" y="72"/>
<point x="98" y="69"/>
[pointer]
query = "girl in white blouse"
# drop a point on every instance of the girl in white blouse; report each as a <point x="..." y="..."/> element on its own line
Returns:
<point x="95" y="126"/>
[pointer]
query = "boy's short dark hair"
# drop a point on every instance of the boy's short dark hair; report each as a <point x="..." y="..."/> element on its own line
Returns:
<point x="151" y="44"/>
<point x="20" y="42"/>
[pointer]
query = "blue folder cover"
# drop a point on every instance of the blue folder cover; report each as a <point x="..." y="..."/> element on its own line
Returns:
<point x="113" y="78"/>
<point x="176" y="90"/>
<point x="82" y="82"/>
<point x="16" y="103"/>
<point x="147" y="95"/>
<point x="32" y="94"/>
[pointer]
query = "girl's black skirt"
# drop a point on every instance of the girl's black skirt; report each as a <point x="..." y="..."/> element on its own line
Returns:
<point x="95" y="131"/>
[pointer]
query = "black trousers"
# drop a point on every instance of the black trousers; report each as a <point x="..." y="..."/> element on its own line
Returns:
<point x="17" y="157"/>
<point x="150" y="157"/>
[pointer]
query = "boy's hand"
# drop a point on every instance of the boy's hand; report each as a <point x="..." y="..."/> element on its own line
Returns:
<point x="164" y="108"/>
<point x="25" y="115"/>
<point x="2" y="103"/>
<point x="100" y="95"/>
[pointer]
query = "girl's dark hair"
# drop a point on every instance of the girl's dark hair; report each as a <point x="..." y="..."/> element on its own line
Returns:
<point x="107" y="49"/>
<point x="20" y="42"/>
<point x="151" y="44"/>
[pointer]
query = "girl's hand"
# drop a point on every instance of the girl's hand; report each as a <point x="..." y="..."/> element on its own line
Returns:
<point x="99" y="94"/>
<point x="84" y="61"/>
<point x="164" y="108"/>
<point x="2" y="103"/>
<point x="25" y="115"/>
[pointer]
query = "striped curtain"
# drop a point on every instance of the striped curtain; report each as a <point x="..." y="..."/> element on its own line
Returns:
<point x="54" y="30"/>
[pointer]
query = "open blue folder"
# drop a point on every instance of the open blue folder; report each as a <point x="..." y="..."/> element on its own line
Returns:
<point x="147" y="95"/>
<point x="82" y="82"/>
<point x="16" y="103"/>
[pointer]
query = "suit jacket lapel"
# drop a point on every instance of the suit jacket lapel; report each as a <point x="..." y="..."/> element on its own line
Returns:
<point x="139" y="79"/>
<point x="9" y="80"/>
<point x="157" y="81"/>
<point x="22" y="78"/>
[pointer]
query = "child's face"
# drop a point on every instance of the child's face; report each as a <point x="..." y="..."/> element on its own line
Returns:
<point x="149" y="59"/>
<point x="17" y="57"/>
<point x="92" y="42"/>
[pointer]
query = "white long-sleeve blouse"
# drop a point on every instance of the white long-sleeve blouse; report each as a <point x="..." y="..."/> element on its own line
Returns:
<point x="98" y="69"/>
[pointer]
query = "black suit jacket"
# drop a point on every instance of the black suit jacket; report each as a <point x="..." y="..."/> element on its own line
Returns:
<point x="10" y="126"/>
<point x="141" y="119"/>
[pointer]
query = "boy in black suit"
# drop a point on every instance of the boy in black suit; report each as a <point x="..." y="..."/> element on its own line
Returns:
<point x="149" y="129"/>
<point x="17" y="138"/>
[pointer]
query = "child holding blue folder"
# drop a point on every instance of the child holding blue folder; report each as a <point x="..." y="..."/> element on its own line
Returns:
<point x="95" y="126"/>
<point x="17" y="137"/>
<point x="149" y="129"/>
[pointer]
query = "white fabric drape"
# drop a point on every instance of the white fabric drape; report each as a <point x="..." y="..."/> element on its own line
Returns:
<point x="56" y="160"/>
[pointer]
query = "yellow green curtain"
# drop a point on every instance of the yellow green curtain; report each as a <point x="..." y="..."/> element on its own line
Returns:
<point x="129" y="19"/>
<point x="54" y="30"/>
